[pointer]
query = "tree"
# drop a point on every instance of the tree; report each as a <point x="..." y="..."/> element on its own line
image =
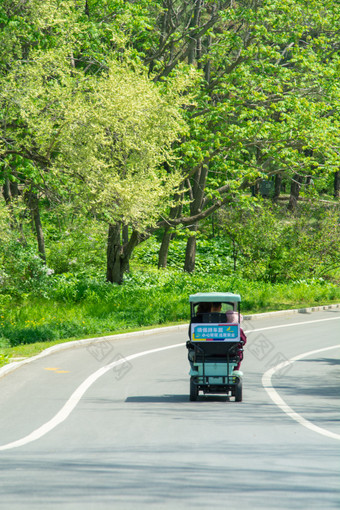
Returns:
<point x="102" y="137"/>
<point x="266" y="107"/>
<point x="305" y="245"/>
<point x="105" y="136"/>
<point x="263" y="107"/>
<point x="265" y="104"/>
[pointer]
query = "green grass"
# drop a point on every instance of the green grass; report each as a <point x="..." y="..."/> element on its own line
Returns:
<point x="84" y="308"/>
<point x="21" y="351"/>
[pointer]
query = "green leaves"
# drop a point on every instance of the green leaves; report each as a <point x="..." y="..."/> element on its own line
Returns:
<point x="269" y="249"/>
<point x="112" y="107"/>
<point x="86" y="122"/>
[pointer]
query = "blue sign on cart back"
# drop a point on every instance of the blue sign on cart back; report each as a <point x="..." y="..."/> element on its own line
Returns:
<point x="215" y="332"/>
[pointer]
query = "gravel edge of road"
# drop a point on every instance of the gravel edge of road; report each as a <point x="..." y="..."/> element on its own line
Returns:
<point x="10" y="367"/>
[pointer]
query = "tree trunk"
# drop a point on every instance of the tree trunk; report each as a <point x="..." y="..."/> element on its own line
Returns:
<point x="194" y="44"/>
<point x="33" y="204"/>
<point x="114" y="255"/>
<point x="337" y="184"/>
<point x="207" y="67"/>
<point x="164" y="249"/>
<point x="175" y="212"/>
<point x="125" y="238"/>
<point x="277" y="188"/>
<point x="118" y="255"/>
<point x="294" y="192"/>
<point x="190" y="254"/>
<point x="6" y="191"/>
<point x="14" y="189"/>
<point x="198" y="187"/>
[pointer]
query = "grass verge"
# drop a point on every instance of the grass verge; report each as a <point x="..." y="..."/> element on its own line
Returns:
<point x="85" y="309"/>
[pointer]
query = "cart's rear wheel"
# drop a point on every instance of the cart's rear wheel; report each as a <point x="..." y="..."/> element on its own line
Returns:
<point x="238" y="391"/>
<point x="193" y="390"/>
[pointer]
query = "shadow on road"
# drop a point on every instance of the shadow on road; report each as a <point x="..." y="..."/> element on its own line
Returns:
<point x="173" y="398"/>
<point x="251" y="476"/>
<point x="158" y="399"/>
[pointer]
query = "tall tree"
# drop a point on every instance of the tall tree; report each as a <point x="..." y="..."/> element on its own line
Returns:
<point x="266" y="102"/>
<point x="101" y="135"/>
<point x="265" y="106"/>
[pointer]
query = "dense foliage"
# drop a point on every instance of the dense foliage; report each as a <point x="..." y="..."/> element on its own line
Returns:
<point x="251" y="253"/>
<point x="76" y="306"/>
<point x="143" y="134"/>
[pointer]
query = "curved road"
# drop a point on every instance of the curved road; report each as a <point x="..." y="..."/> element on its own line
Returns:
<point x="109" y="424"/>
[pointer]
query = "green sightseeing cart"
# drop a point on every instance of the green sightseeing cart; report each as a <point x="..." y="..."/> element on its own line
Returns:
<point x="215" y="346"/>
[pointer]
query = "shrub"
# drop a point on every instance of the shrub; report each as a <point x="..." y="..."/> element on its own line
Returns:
<point x="266" y="248"/>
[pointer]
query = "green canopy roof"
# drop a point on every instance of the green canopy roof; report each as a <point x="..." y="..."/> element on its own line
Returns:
<point x="214" y="297"/>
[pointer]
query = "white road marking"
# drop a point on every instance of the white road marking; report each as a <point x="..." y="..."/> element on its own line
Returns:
<point x="72" y="402"/>
<point x="290" y="325"/>
<point x="267" y="384"/>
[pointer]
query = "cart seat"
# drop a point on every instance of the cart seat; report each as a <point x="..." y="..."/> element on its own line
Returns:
<point x="211" y="317"/>
<point x="216" y="350"/>
<point x="214" y="317"/>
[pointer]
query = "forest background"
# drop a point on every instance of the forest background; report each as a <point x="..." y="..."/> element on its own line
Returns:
<point x="152" y="149"/>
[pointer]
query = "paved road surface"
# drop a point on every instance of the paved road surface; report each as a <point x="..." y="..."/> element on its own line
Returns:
<point x="109" y="425"/>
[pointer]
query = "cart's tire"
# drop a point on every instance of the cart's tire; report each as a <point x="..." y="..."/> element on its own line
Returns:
<point x="193" y="390"/>
<point x="238" y="391"/>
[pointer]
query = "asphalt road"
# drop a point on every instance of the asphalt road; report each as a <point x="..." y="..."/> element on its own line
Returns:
<point x="110" y="425"/>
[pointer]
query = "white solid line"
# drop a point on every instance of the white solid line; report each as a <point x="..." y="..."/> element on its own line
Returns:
<point x="267" y="384"/>
<point x="71" y="403"/>
<point x="290" y="325"/>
